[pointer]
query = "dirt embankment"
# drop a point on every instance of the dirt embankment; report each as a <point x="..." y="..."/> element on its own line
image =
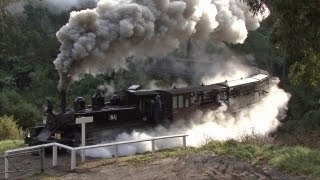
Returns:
<point x="193" y="166"/>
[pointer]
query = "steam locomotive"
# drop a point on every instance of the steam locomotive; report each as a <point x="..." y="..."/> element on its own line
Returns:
<point x="137" y="108"/>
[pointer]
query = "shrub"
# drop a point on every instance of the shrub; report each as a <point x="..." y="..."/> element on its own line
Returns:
<point x="9" y="129"/>
<point x="10" y="144"/>
<point x="13" y="104"/>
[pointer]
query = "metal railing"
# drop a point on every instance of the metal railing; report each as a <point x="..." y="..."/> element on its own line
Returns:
<point x="14" y="152"/>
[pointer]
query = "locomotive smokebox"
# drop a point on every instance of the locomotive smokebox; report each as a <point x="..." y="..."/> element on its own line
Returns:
<point x="63" y="100"/>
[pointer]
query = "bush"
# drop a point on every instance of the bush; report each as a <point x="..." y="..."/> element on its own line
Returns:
<point x="10" y="144"/>
<point x="9" y="129"/>
<point x="13" y="104"/>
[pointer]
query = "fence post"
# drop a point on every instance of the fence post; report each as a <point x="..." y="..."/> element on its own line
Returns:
<point x="184" y="141"/>
<point x="42" y="154"/>
<point x="54" y="156"/>
<point x="73" y="159"/>
<point x="153" y="146"/>
<point x="116" y="154"/>
<point x="6" y="166"/>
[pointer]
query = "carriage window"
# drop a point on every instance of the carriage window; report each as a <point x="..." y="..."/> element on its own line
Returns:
<point x="234" y="93"/>
<point x="181" y="105"/>
<point x="174" y="102"/>
<point x="207" y="96"/>
<point x="186" y="101"/>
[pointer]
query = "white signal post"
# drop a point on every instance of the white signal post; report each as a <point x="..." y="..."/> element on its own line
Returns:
<point x="83" y="122"/>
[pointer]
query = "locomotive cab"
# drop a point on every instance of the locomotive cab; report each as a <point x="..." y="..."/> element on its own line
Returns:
<point x="148" y="104"/>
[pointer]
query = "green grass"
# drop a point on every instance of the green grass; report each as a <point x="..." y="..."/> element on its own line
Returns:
<point x="44" y="175"/>
<point x="295" y="160"/>
<point x="10" y="144"/>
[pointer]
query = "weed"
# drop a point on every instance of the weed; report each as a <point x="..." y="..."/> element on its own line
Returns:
<point x="10" y="144"/>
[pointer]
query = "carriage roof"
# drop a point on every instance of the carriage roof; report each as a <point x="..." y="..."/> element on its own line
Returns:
<point x="253" y="79"/>
<point x="194" y="89"/>
<point x="143" y="92"/>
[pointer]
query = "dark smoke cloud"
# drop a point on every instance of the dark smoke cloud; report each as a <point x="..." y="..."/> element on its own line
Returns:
<point x="99" y="40"/>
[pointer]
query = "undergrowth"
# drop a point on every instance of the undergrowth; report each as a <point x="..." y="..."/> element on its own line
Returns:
<point x="10" y="144"/>
<point x="295" y="160"/>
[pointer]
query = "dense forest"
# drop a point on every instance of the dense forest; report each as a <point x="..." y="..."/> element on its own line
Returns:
<point x="287" y="45"/>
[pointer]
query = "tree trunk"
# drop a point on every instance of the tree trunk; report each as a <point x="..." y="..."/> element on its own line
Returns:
<point x="2" y="23"/>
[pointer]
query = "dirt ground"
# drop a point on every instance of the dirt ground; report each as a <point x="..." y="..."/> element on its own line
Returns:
<point x="195" y="166"/>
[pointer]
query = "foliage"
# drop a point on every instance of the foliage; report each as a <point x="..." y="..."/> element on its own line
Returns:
<point x="256" y="5"/>
<point x="12" y="103"/>
<point x="86" y="87"/>
<point x="10" y="144"/>
<point x="307" y="70"/>
<point x="296" y="34"/>
<point x="266" y="56"/>
<point x="301" y="116"/>
<point x="9" y="129"/>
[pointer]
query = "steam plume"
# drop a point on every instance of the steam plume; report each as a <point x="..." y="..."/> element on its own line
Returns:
<point x="97" y="40"/>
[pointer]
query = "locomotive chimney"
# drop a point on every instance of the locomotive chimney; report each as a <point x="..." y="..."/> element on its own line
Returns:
<point x="63" y="101"/>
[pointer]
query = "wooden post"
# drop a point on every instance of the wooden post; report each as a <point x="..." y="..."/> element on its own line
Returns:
<point x="73" y="159"/>
<point x="83" y="122"/>
<point x="184" y="141"/>
<point x="153" y="146"/>
<point x="42" y="156"/>
<point x="116" y="153"/>
<point x="83" y="141"/>
<point x="54" y="156"/>
<point x="6" y="166"/>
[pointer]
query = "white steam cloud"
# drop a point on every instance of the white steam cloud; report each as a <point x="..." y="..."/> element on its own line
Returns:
<point x="260" y="119"/>
<point x="226" y="72"/>
<point x="97" y="40"/>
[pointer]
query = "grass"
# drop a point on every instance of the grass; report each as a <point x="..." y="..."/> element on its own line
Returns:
<point x="295" y="160"/>
<point x="10" y="144"/>
<point x="44" y="175"/>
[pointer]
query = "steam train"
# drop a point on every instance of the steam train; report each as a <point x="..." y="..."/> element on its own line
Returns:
<point x="137" y="108"/>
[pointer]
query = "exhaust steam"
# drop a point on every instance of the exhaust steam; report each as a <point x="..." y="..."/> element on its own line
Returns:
<point x="100" y="40"/>
<point x="260" y="119"/>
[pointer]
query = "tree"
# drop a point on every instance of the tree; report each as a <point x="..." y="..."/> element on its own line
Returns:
<point x="296" y="33"/>
<point x="256" y="5"/>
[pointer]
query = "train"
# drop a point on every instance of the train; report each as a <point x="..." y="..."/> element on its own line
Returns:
<point x="138" y="108"/>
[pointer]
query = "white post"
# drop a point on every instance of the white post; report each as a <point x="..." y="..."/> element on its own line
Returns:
<point x="83" y="122"/>
<point x="116" y="154"/>
<point x="6" y="166"/>
<point x="83" y="141"/>
<point x="184" y="141"/>
<point x="73" y="159"/>
<point x="153" y="146"/>
<point x="54" y="156"/>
